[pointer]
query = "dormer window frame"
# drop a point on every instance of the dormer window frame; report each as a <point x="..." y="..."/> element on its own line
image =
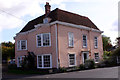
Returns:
<point x="45" y="20"/>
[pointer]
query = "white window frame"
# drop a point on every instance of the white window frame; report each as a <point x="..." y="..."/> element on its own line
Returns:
<point x="69" y="59"/>
<point x="95" y="58"/>
<point x="42" y="56"/>
<point x="18" y="64"/>
<point x="45" y="20"/>
<point x="83" y="56"/>
<point x="42" y="39"/>
<point x="70" y="34"/>
<point x="95" y="42"/>
<point x="21" y="45"/>
<point x="83" y="42"/>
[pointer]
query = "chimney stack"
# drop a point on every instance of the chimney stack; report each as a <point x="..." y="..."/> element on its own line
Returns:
<point x="47" y="8"/>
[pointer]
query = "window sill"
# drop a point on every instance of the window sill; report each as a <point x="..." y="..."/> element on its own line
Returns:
<point x="22" y="50"/>
<point x="84" y="46"/>
<point x="44" y="67"/>
<point x="95" y="47"/>
<point x="71" y="46"/>
<point x="72" y="65"/>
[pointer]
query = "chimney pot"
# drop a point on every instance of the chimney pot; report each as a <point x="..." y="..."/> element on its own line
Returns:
<point x="47" y="8"/>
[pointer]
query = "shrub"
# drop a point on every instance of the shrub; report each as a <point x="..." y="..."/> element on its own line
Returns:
<point x="29" y="61"/>
<point x="81" y="67"/>
<point x="63" y="69"/>
<point x="12" y="66"/>
<point x="89" y="64"/>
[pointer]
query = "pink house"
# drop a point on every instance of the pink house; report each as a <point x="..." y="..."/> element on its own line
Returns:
<point x="59" y="39"/>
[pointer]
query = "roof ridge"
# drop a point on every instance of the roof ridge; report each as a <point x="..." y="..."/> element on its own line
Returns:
<point x="71" y="13"/>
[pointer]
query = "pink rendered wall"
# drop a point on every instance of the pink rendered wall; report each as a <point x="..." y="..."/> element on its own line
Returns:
<point x="64" y="49"/>
<point x="32" y="45"/>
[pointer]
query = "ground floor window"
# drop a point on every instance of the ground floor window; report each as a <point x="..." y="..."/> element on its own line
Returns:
<point x="19" y="61"/>
<point x="44" y="61"/>
<point x="71" y="59"/>
<point x="96" y="57"/>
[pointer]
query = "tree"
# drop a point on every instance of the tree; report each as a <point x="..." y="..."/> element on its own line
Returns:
<point x="29" y="61"/>
<point x="106" y="43"/>
<point x="8" y="50"/>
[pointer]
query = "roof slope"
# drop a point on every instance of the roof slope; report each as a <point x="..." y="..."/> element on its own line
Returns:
<point x="63" y="16"/>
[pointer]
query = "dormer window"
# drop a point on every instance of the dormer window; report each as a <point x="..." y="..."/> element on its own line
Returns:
<point x="45" y="20"/>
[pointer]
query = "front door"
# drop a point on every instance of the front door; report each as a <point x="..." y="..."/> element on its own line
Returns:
<point x="85" y="56"/>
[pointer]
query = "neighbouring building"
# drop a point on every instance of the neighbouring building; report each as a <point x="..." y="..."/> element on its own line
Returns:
<point x="118" y="43"/>
<point x="59" y="39"/>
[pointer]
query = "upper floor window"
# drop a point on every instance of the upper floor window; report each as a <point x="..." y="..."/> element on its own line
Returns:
<point x="95" y="42"/>
<point x="43" y="39"/>
<point x="84" y="41"/>
<point x="22" y="45"/>
<point x="45" y="20"/>
<point x="71" y="39"/>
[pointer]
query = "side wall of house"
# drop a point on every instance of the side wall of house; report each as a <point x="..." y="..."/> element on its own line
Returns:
<point x="32" y="43"/>
<point x="65" y="50"/>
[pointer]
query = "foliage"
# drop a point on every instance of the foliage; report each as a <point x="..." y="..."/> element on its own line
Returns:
<point x="89" y="64"/>
<point x="106" y="54"/>
<point x="62" y="69"/>
<point x="8" y="50"/>
<point x="29" y="61"/>
<point x="81" y="67"/>
<point x="106" y="43"/>
<point x="12" y="66"/>
<point x="116" y="52"/>
<point x="111" y="60"/>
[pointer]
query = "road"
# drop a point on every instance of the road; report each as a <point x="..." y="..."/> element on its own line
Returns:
<point x="94" y="73"/>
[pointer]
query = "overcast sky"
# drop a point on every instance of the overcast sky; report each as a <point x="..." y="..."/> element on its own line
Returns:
<point x="14" y="14"/>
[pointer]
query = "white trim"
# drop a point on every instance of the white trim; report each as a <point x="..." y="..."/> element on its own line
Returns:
<point x="83" y="56"/>
<point x="69" y="59"/>
<point x="42" y="40"/>
<point x="86" y="41"/>
<point x="18" y="64"/>
<point x="95" y="43"/>
<point x="20" y="45"/>
<point x="69" y="45"/>
<point x="42" y="55"/>
<point x="95" y="58"/>
<point x="56" y="46"/>
<point x="62" y="23"/>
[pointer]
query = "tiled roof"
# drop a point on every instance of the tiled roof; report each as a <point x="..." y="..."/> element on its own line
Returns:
<point x="63" y="16"/>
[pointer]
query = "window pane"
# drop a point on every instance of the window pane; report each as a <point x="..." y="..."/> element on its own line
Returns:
<point x="46" y="60"/>
<point x="84" y="41"/>
<point x="39" y="40"/>
<point x="96" y="57"/>
<point x="46" y="40"/>
<point x="18" y="45"/>
<point x="72" y="59"/>
<point x="23" y="44"/>
<point x="71" y="39"/>
<point x="95" y="42"/>
<point x="40" y="61"/>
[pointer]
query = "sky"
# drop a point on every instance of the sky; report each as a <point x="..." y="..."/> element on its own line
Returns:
<point x="15" y="14"/>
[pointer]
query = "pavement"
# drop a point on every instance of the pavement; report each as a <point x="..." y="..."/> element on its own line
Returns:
<point x="111" y="72"/>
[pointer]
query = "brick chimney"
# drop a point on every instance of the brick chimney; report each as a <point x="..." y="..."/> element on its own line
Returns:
<point x="47" y="8"/>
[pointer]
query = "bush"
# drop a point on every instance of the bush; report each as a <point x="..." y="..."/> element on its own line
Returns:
<point x="62" y="69"/>
<point x="12" y="66"/>
<point x="81" y="67"/>
<point x="89" y="64"/>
